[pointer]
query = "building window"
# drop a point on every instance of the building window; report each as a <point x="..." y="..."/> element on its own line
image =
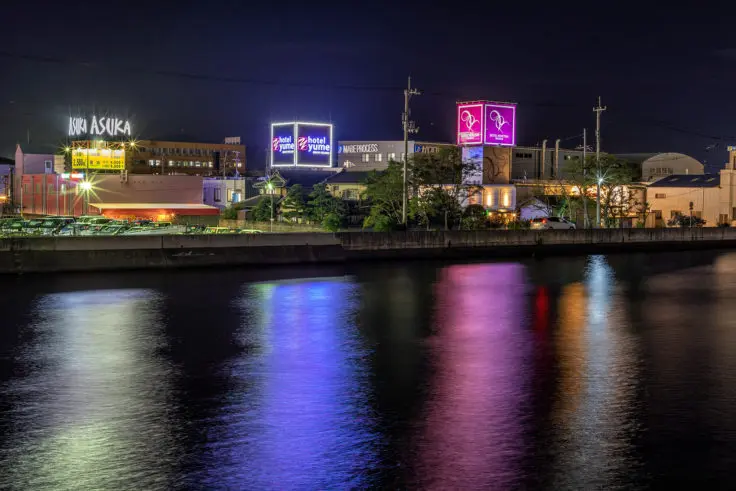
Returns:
<point x="377" y="157"/>
<point x="366" y="157"/>
<point x="48" y="165"/>
<point x="675" y="213"/>
<point x="392" y="156"/>
<point x="660" y="196"/>
<point x="402" y="156"/>
<point x="229" y="195"/>
<point x="657" y="214"/>
<point x="218" y="194"/>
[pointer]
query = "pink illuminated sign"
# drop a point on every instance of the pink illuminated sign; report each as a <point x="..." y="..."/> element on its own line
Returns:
<point x="500" y="124"/>
<point x="470" y="124"/>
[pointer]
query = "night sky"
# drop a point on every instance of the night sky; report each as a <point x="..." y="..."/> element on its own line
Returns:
<point x="205" y="70"/>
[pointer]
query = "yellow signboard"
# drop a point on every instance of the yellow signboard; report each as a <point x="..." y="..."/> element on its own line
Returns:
<point x="100" y="160"/>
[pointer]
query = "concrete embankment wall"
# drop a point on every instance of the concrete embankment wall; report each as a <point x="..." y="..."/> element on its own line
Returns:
<point x="54" y="254"/>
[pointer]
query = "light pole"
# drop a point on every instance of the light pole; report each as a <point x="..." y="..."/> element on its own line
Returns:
<point x="269" y="186"/>
<point x="598" y="110"/>
<point x="409" y="127"/>
<point x="598" y="200"/>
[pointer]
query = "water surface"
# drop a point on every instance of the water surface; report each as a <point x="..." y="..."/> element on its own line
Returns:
<point x="599" y="372"/>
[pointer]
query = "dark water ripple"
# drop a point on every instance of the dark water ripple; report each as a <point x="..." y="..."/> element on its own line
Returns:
<point x="578" y="373"/>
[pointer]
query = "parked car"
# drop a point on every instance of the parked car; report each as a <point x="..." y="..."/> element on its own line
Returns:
<point x="53" y="225"/>
<point x="220" y="231"/>
<point x="552" y="223"/>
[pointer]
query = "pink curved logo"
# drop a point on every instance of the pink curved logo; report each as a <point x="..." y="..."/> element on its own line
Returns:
<point x="275" y="145"/>
<point x="498" y="119"/>
<point x="469" y="120"/>
<point x="302" y="143"/>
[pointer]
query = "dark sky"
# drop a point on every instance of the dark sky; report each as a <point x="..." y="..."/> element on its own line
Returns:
<point x="210" y="69"/>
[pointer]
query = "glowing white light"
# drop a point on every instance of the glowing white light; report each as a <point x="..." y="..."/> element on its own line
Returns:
<point x="98" y="126"/>
<point x="317" y="148"/>
<point x="85" y="185"/>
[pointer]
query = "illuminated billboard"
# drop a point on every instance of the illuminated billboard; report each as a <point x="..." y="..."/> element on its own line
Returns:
<point x="470" y="124"/>
<point x="301" y="144"/>
<point x="500" y="125"/>
<point x="98" y="126"/>
<point x="486" y="123"/>
<point x="314" y="144"/>
<point x="98" y="159"/>
<point x="283" y="144"/>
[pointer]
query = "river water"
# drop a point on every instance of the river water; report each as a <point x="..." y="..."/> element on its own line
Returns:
<point x="599" y="372"/>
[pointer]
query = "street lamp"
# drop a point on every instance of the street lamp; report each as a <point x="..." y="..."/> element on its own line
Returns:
<point x="269" y="186"/>
<point x="86" y="187"/>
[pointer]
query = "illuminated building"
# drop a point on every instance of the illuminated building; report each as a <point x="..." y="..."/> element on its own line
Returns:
<point x="158" y="157"/>
<point x="361" y="156"/>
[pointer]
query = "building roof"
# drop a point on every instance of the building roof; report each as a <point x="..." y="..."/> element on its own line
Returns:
<point x="640" y="158"/>
<point x="188" y="208"/>
<point x="6" y="161"/>
<point x="357" y="177"/>
<point x="688" y="181"/>
<point x="306" y="178"/>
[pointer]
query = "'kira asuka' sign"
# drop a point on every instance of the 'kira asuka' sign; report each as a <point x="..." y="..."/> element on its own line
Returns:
<point x="102" y="126"/>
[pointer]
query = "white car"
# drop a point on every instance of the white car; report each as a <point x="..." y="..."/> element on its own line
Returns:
<point x="550" y="223"/>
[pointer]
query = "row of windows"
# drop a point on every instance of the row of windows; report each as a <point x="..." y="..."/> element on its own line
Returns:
<point x="661" y="171"/>
<point x="378" y="157"/>
<point x="523" y="155"/>
<point x="185" y="163"/>
<point x="233" y="196"/>
<point x="195" y="152"/>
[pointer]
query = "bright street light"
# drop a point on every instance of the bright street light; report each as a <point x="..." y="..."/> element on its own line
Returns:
<point x="85" y="185"/>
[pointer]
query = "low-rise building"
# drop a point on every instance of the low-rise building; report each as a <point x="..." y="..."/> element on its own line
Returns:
<point x="158" y="157"/>
<point x="702" y="196"/>
<point x="223" y="193"/>
<point x="375" y="155"/>
<point x="653" y="166"/>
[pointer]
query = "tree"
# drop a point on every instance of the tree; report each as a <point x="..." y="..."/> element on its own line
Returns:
<point x="332" y="222"/>
<point x="618" y="197"/>
<point x="384" y="191"/>
<point x="294" y="205"/>
<point x="264" y="211"/>
<point x="475" y="218"/>
<point x="442" y="183"/>
<point x="229" y="213"/>
<point x="685" y="221"/>
<point x="321" y="203"/>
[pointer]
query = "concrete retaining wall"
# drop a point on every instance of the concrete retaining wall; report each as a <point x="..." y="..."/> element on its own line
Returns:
<point x="55" y="254"/>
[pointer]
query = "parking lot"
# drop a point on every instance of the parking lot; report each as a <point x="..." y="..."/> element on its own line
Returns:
<point x="98" y="225"/>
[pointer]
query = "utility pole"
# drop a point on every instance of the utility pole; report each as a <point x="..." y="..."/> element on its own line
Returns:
<point x="599" y="180"/>
<point x="585" y="204"/>
<point x="409" y="127"/>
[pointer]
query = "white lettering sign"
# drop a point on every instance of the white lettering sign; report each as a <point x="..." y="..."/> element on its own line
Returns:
<point x="364" y="148"/>
<point x="102" y="126"/>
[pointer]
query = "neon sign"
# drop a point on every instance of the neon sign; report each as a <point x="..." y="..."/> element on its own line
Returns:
<point x="470" y="124"/>
<point x="486" y="123"/>
<point x="500" y="124"/>
<point x="301" y="144"/>
<point x="102" y="126"/>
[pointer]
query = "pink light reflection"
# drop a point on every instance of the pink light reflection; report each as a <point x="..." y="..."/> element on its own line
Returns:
<point x="472" y="433"/>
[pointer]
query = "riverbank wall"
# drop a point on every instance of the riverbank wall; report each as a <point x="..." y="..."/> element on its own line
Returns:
<point x="59" y="254"/>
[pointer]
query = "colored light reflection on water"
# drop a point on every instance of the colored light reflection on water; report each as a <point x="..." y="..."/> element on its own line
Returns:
<point x="573" y="373"/>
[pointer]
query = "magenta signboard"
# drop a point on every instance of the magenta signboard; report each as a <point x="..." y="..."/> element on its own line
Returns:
<point x="500" y="124"/>
<point x="470" y="123"/>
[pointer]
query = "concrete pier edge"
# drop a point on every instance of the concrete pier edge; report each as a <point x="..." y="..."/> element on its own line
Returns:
<point x="66" y="254"/>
